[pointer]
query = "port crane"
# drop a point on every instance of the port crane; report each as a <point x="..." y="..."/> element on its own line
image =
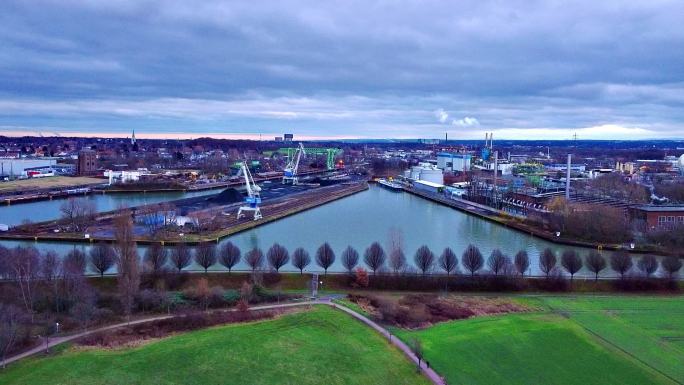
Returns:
<point x="253" y="198"/>
<point x="290" y="173"/>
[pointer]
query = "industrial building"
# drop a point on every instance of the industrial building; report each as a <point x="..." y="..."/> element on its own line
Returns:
<point x="454" y="162"/>
<point x="87" y="162"/>
<point x="425" y="172"/>
<point x="20" y="167"/>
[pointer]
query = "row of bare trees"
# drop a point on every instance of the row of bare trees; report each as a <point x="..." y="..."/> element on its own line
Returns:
<point x="425" y="260"/>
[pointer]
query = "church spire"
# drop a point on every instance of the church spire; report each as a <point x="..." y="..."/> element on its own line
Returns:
<point x="133" y="137"/>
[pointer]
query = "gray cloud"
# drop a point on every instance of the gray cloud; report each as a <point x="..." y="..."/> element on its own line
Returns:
<point x="355" y="68"/>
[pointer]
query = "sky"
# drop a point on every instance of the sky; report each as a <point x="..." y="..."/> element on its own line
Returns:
<point x="522" y="69"/>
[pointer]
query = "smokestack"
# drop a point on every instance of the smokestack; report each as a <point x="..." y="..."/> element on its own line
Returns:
<point x="491" y="140"/>
<point x="496" y="173"/>
<point x="446" y="137"/>
<point x="567" y="178"/>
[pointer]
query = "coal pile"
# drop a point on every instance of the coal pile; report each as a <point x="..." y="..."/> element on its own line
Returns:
<point x="228" y="196"/>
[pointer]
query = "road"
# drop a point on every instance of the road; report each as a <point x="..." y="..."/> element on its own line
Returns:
<point x="428" y="372"/>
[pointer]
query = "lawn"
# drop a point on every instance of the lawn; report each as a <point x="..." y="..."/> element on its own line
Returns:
<point x="48" y="182"/>
<point x="651" y="329"/>
<point x="320" y="346"/>
<point x="549" y="347"/>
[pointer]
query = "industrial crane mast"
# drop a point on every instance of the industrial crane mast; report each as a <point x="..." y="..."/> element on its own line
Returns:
<point x="253" y="198"/>
<point x="291" y="170"/>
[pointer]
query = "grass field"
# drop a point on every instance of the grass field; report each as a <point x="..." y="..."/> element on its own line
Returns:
<point x="49" y="182"/>
<point x="582" y="340"/>
<point x="321" y="346"/>
<point x="650" y="329"/>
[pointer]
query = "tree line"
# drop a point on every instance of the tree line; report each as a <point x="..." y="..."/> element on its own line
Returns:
<point x="22" y="261"/>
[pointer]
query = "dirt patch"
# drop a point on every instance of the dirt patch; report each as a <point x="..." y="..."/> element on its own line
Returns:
<point x="141" y="334"/>
<point x="423" y="310"/>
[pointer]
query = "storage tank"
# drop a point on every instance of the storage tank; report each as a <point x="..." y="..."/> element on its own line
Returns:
<point x="432" y="175"/>
<point x="415" y="172"/>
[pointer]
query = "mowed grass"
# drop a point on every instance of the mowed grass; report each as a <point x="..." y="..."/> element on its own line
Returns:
<point x="537" y="348"/>
<point x="320" y="346"/>
<point x="48" y="182"/>
<point x="648" y="328"/>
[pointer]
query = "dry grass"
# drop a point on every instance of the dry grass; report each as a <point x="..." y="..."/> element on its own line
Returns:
<point x="48" y="182"/>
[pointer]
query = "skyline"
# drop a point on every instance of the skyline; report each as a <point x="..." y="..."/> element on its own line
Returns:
<point x="358" y="70"/>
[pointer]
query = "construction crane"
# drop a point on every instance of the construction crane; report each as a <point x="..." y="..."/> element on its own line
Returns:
<point x="253" y="198"/>
<point x="290" y="173"/>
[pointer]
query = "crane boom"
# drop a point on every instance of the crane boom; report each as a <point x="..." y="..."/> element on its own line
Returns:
<point x="253" y="198"/>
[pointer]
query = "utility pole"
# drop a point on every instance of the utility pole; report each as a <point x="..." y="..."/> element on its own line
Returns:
<point x="567" y="178"/>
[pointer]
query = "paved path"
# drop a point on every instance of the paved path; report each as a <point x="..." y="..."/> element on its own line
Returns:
<point x="428" y="372"/>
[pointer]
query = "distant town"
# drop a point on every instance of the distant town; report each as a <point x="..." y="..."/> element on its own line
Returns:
<point x="628" y="193"/>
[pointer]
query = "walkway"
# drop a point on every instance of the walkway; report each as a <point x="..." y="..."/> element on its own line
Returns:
<point x="428" y="372"/>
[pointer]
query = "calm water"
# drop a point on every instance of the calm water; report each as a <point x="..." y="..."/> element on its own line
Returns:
<point x="371" y="216"/>
<point x="40" y="211"/>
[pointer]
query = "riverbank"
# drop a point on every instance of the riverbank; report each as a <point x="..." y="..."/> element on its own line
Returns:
<point x="271" y="210"/>
<point x="515" y="223"/>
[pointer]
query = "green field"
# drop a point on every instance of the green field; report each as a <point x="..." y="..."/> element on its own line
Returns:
<point x="572" y="340"/>
<point x="321" y="346"/>
<point x="649" y="329"/>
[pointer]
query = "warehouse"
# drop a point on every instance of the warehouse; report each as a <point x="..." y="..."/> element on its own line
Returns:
<point x="17" y="168"/>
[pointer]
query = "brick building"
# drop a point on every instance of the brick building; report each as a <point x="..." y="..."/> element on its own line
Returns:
<point x="87" y="162"/>
<point x="660" y="217"/>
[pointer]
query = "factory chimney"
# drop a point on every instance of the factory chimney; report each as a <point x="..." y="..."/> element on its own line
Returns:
<point x="567" y="178"/>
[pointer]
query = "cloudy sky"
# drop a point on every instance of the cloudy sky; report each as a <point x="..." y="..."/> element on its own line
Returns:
<point x="349" y="69"/>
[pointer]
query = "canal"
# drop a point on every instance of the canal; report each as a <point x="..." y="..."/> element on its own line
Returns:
<point x="40" y="211"/>
<point x="374" y="215"/>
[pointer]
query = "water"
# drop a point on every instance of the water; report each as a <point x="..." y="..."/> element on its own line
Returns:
<point x="40" y="211"/>
<point x="371" y="216"/>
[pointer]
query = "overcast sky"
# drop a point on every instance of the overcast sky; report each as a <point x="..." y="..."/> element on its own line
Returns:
<point x="353" y="69"/>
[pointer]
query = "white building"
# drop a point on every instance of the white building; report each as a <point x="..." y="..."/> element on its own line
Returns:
<point x="17" y="168"/>
<point x="425" y="172"/>
<point x="124" y="176"/>
<point x="453" y="162"/>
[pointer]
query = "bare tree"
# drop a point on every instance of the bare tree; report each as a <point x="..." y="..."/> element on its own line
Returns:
<point x="181" y="256"/>
<point x="127" y="258"/>
<point x="230" y="255"/>
<point x="49" y="266"/>
<point x="448" y="261"/>
<point x="155" y="257"/>
<point x="350" y="258"/>
<point x="571" y="262"/>
<point x="75" y="262"/>
<point x="25" y="269"/>
<point x="374" y="257"/>
<point x="301" y="259"/>
<point x="205" y="255"/>
<point x="325" y="257"/>
<point x="102" y="258"/>
<point x="395" y="249"/>
<point x="397" y="260"/>
<point x="547" y="261"/>
<point x="621" y="263"/>
<point x="472" y="259"/>
<point x="10" y="326"/>
<point x="596" y="263"/>
<point x="255" y="258"/>
<point x="522" y="262"/>
<point x="497" y="262"/>
<point x="648" y="265"/>
<point x="671" y="265"/>
<point x="277" y="256"/>
<point x="78" y="212"/>
<point x="424" y="259"/>
<point x="5" y="257"/>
